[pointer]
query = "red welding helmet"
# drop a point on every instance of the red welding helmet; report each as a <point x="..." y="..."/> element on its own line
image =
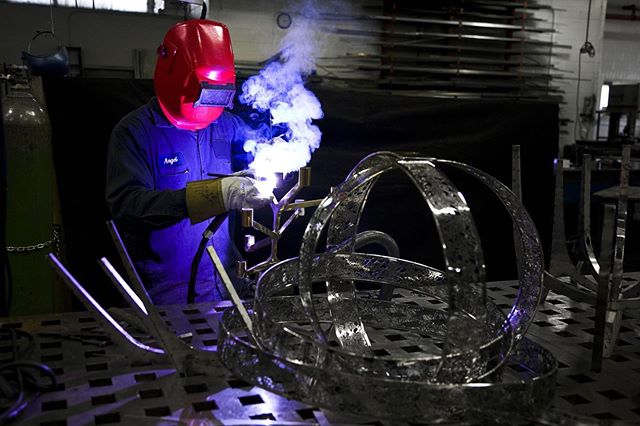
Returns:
<point x="195" y="76"/>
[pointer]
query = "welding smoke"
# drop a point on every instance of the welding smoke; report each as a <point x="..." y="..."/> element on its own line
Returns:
<point x="279" y="89"/>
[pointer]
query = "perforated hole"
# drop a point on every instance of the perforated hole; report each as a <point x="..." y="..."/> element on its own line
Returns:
<point x="575" y="399"/>
<point x="158" y="411"/>
<point x="94" y="383"/>
<point x="395" y="337"/>
<point x="237" y="383"/>
<point x="612" y="394"/>
<point x="151" y="393"/>
<point x="103" y="399"/>
<point x="97" y="367"/>
<point x="306" y="413"/>
<point x="266" y="416"/>
<point x="60" y="404"/>
<point x="205" y="406"/>
<point x="62" y="422"/>
<point x="251" y="400"/>
<point x="196" y="388"/>
<point x="104" y="419"/>
<point x="581" y="378"/>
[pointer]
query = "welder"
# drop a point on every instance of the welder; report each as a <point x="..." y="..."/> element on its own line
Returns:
<point x="162" y="157"/>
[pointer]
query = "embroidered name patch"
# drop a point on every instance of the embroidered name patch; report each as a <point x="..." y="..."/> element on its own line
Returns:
<point x="174" y="159"/>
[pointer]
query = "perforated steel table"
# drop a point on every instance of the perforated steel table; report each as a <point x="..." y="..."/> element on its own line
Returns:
<point x="99" y="386"/>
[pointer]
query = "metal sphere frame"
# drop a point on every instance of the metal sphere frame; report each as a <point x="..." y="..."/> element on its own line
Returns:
<point x="464" y="381"/>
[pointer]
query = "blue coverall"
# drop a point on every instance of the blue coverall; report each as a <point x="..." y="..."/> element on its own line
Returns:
<point x="149" y="164"/>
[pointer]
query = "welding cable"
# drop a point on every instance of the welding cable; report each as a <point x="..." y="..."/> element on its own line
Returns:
<point x="203" y="14"/>
<point x="206" y="236"/>
<point x="19" y="382"/>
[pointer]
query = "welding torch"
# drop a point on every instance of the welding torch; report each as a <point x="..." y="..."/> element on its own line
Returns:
<point x="242" y="173"/>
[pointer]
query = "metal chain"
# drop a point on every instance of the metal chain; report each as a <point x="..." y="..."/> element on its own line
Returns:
<point x="23" y="249"/>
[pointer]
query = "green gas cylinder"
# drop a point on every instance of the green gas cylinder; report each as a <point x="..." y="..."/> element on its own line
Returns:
<point x="30" y="177"/>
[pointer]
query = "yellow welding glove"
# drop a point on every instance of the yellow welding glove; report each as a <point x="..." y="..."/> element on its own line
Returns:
<point x="204" y="199"/>
<point x="207" y="198"/>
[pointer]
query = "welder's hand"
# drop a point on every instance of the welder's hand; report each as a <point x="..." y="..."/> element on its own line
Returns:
<point x="211" y="197"/>
<point x="241" y="192"/>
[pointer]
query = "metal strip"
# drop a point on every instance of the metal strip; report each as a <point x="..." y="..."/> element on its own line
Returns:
<point x="604" y="287"/>
<point x="132" y="347"/>
<point x="457" y="36"/>
<point x="621" y="224"/>
<point x="584" y="220"/>
<point x="231" y="291"/>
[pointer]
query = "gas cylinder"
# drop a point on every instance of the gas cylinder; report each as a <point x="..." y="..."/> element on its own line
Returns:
<point x="30" y="177"/>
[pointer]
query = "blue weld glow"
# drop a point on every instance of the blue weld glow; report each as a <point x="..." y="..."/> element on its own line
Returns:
<point x="279" y="89"/>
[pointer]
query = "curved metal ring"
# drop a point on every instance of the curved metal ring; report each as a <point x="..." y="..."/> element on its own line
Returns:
<point x="461" y="250"/>
<point x="291" y="342"/>
<point x="502" y="400"/>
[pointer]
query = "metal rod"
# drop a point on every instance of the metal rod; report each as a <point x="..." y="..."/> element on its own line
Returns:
<point x="457" y="71"/>
<point x="455" y="23"/>
<point x="584" y="220"/>
<point x="441" y="58"/>
<point x="134" y="348"/>
<point x="496" y="5"/>
<point x="462" y="12"/>
<point x="457" y="36"/>
<point x="244" y="314"/>
<point x="288" y="222"/>
<point x="219" y="175"/>
<point x="602" y="297"/>
<point x="516" y="176"/>
<point x="174" y="347"/>
<point x="461" y="47"/>
<point x="621" y="223"/>
<point x="302" y="204"/>
<point x="560" y="263"/>
<point x="258" y="245"/>
<point x="122" y="286"/>
<point x="260" y="227"/>
<point x="516" y="188"/>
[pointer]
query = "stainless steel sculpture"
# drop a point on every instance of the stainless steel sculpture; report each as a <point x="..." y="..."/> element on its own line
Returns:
<point x="317" y="348"/>
<point x="273" y="235"/>
<point x="289" y="350"/>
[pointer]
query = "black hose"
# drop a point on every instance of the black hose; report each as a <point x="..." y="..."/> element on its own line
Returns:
<point x="20" y="377"/>
<point x="195" y="263"/>
<point x="203" y="14"/>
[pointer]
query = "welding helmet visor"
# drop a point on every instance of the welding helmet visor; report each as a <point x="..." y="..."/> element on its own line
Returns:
<point x="215" y="95"/>
<point x="195" y="76"/>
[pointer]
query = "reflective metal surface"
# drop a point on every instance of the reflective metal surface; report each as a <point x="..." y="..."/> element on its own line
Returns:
<point x="319" y="345"/>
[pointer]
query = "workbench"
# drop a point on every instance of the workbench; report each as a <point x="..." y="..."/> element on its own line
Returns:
<point x="99" y="386"/>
